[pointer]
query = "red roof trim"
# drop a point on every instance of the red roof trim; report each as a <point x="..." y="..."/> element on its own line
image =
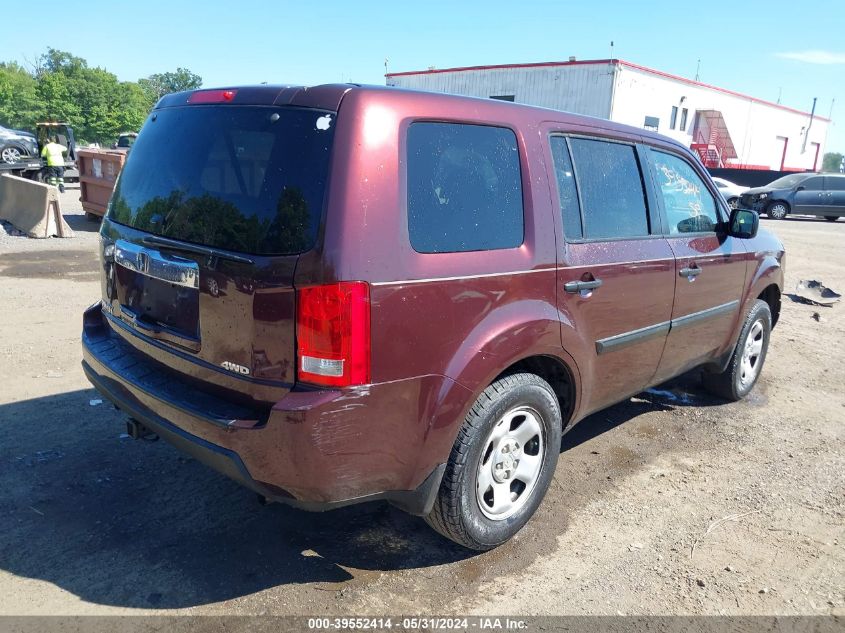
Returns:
<point x="622" y="62"/>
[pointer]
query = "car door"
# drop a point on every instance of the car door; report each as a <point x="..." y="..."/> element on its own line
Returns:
<point x="835" y="186"/>
<point x="710" y="266"/>
<point x="615" y="270"/>
<point x="810" y="197"/>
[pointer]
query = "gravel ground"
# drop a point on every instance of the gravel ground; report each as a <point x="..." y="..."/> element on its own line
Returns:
<point x="672" y="502"/>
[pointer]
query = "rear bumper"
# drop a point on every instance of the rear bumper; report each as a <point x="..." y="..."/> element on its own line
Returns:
<point x="314" y="449"/>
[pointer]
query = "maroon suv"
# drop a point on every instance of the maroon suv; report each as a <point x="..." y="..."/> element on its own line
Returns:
<point x="341" y="293"/>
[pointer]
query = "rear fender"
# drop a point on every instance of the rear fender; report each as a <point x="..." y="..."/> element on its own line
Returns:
<point x="514" y="332"/>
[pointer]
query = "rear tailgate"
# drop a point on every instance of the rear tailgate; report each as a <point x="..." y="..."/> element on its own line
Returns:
<point x="202" y="238"/>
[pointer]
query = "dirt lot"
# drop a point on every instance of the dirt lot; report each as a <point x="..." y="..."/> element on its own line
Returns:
<point x="672" y="502"/>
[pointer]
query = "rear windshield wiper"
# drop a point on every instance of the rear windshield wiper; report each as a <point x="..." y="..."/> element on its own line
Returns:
<point x="154" y="240"/>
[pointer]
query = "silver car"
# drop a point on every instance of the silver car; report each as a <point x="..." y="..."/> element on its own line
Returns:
<point x="16" y="146"/>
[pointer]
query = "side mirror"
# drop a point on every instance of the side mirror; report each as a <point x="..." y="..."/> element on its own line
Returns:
<point x="744" y="224"/>
<point x="800" y="188"/>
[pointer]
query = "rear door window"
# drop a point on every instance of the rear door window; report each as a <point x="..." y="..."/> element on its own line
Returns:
<point x="248" y="179"/>
<point x="687" y="202"/>
<point x="464" y="188"/>
<point x="612" y="195"/>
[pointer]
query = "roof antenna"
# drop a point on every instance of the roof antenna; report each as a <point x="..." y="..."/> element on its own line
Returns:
<point x="697" y="68"/>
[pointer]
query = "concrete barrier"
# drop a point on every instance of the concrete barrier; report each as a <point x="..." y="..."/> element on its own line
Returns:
<point x="32" y="207"/>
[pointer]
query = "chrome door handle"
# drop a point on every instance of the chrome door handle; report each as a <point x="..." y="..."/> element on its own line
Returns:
<point x="690" y="273"/>
<point x="578" y="286"/>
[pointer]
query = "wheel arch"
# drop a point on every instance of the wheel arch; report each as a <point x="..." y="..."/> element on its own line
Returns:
<point x="771" y="294"/>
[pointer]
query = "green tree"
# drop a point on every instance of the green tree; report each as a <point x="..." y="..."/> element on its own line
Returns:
<point x="63" y="87"/>
<point x="160" y="84"/>
<point x="19" y="101"/>
<point x="831" y="161"/>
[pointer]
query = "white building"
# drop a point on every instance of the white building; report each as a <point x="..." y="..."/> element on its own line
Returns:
<point x="726" y="128"/>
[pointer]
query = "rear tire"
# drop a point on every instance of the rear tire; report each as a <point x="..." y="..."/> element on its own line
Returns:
<point x="831" y="218"/>
<point x="777" y="210"/>
<point x="749" y="355"/>
<point x="501" y="464"/>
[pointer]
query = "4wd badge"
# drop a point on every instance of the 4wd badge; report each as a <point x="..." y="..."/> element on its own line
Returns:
<point x="238" y="369"/>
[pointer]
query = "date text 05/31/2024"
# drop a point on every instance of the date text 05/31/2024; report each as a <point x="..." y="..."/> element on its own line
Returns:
<point x="418" y="623"/>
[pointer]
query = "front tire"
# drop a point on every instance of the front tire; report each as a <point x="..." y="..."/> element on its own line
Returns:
<point x="777" y="210"/>
<point x="501" y="464"/>
<point x="11" y="154"/>
<point x="749" y="355"/>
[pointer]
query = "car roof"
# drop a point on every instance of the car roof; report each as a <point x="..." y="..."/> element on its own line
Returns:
<point x="329" y="96"/>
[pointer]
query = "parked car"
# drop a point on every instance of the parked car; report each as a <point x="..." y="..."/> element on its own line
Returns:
<point x="730" y="191"/>
<point x="125" y="141"/>
<point x="16" y="145"/>
<point x="802" y="194"/>
<point x="431" y="319"/>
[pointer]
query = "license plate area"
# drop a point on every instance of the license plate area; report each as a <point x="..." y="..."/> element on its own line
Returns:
<point x="158" y="294"/>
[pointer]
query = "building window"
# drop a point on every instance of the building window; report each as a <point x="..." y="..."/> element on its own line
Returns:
<point x="674" y="118"/>
<point x="651" y="123"/>
<point x="503" y="97"/>
<point x="684" y="120"/>
<point x="464" y="188"/>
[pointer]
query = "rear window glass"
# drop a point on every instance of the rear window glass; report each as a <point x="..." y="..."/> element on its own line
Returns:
<point x="464" y="188"/>
<point x="242" y="178"/>
<point x="611" y="189"/>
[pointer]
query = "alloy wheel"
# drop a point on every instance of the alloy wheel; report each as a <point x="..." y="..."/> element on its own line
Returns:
<point x="777" y="211"/>
<point x="753" y="348"/>
<point x="11" y="155"/>
<point x="510" y="463"/>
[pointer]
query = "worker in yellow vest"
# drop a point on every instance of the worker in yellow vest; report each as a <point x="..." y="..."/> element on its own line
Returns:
<point x="54" y="153"/>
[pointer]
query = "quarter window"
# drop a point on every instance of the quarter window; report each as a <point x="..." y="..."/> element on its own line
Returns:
<point x="689" y="206"/>
<point x="464" y="188"/>
<point x="611" y="188"/>
<point x="566" y="190"/>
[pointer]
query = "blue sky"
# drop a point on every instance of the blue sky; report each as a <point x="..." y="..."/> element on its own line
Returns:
<point x="759" y="48"/>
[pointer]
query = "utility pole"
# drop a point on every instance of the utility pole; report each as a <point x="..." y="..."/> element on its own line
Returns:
<point x="809" y="125"/>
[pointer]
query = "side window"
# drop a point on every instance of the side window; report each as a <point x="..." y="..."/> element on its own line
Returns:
<point x="834" y="183"/>
<point x="689" y="206"/>
<point x="611" y="187"/>
<point x="464" y="188"/>
<point x="813" y="184"/>
<point x="567" y="192"/>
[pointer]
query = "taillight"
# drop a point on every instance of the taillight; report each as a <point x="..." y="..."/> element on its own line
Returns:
<point x="333" y="334"/>
<point x="212" y="96"/>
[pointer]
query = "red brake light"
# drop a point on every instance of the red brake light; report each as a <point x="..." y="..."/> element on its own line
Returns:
<point x="333" y="334"/>
<point x="212" y="96"/>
